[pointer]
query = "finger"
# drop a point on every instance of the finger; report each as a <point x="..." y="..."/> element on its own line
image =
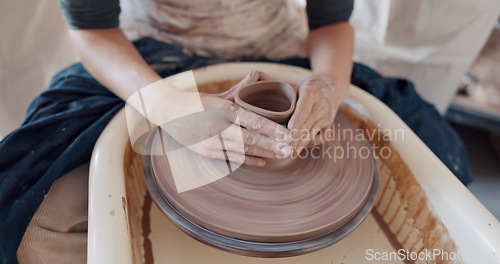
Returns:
<point x="311" y="120"/>
<point x="245" y="159"/>
<point x="251" y="140"/>
<point x="323" y="136"/>
<point x="257" y="123"/>
<point x="302" y="111"/>
<point x="322" y="123"/>
<point x="254" y="161"/>
<point x="304" y="140"/>
<point x="318" y="138"/>
<point x="261" y="125"/>
<point x="251" y="77"/>
<point x="321" y="110"/>
<point x="241" y="148"/>
<point x="304" y="134"/>
<point x="325" y="127"/>
<point x="302" y="146"/>
<point x="213" y="148"/>
<point x="228" y="95"/>
<point x="234" y="157"/>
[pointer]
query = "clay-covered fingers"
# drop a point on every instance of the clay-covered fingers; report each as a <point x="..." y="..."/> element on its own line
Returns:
<point x="251" y="77"/>
<point x="320" y="137"/>
<point x="302" y="112"/>
<point x="319" y="122"/>
<point x="240" y="140"/>
<point x="314" y="111"/>
<point x="247" y="160"/>
<point x="304" y="135"/>
<point x="233" y="156"/>
<point x="257" y="144"/>
<point x="267" y="134"/>
<point x="302" y="120"/>
<point x="241" y="148"/>
<point x="224" y="146"/>
<point x="233" y="129"/>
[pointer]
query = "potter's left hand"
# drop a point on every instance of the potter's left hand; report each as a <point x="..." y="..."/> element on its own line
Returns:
<point x="315" y="111"/>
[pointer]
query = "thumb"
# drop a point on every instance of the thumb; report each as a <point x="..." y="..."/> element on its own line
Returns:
<point x="251" y="77"/>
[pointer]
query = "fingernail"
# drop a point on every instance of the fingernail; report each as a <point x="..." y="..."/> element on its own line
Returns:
<point x="250" y="139"/>
<point x="261" y="163"/>
<point x="278" y="155"/>
<point x="234" y="107"/>
<point x="286" y="151"/>
<point x="256" y="123"/>
<point x="252" y="72"/>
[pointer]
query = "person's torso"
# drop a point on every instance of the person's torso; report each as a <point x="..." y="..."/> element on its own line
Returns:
<point x="224" y="29"/>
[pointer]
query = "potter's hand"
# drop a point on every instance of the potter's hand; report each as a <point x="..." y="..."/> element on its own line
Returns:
<point x="205" y="123"/>
<point x="315" y="111"/>
<point x="247" y="139"/>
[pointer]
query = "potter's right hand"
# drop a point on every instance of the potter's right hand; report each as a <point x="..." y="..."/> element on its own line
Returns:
<point x="247" y="137"/>
<point x="205" y="122"/>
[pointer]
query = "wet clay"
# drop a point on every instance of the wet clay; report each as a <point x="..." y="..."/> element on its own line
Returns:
<point x="404" y="225"/>
<point x="272" y="99"/>
<point x="306" y="197"/>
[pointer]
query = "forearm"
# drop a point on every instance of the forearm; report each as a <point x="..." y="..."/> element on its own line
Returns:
<point x="330" y="51"/>
<point x="113" y="60"/>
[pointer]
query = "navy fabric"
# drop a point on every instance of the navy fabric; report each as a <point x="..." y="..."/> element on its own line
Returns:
<point x="422" y="117"/>
<point x="63" y="123"/>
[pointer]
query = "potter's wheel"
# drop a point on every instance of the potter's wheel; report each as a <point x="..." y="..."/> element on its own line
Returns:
<point x="301" y="206"/>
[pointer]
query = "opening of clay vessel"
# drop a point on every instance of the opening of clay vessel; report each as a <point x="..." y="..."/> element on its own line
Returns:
<point x="273" y="99"/>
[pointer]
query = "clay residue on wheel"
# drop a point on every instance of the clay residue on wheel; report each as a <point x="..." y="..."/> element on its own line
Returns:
<point x="137" y="206"/>
<point x="401" y="201"/>
<point x="306" y="197"/>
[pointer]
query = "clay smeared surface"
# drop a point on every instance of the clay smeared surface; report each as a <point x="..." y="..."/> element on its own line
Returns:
<point x="176" y="247"/>
<point x="302" y="199"/>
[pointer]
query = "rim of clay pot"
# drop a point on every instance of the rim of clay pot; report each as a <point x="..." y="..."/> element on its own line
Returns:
<point x="245" y="91"/>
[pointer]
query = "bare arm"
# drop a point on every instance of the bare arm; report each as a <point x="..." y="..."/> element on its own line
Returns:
<point x="330" y="51"/>
<point x="112" y="60"/>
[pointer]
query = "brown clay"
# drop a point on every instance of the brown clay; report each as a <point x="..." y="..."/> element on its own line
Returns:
<point x="307" y="198"/>
<point x="272" y="99"/>
<point x="292" y="200"/>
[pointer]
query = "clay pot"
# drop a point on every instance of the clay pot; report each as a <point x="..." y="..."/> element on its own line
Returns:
<point x="272" y="99"/>
<point x="287" y="208"/>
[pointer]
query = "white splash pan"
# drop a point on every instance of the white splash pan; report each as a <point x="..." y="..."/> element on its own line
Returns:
<point x="473" y="228"/>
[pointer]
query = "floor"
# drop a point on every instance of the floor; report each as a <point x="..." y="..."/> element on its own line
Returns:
<point x="484" y="154"/>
